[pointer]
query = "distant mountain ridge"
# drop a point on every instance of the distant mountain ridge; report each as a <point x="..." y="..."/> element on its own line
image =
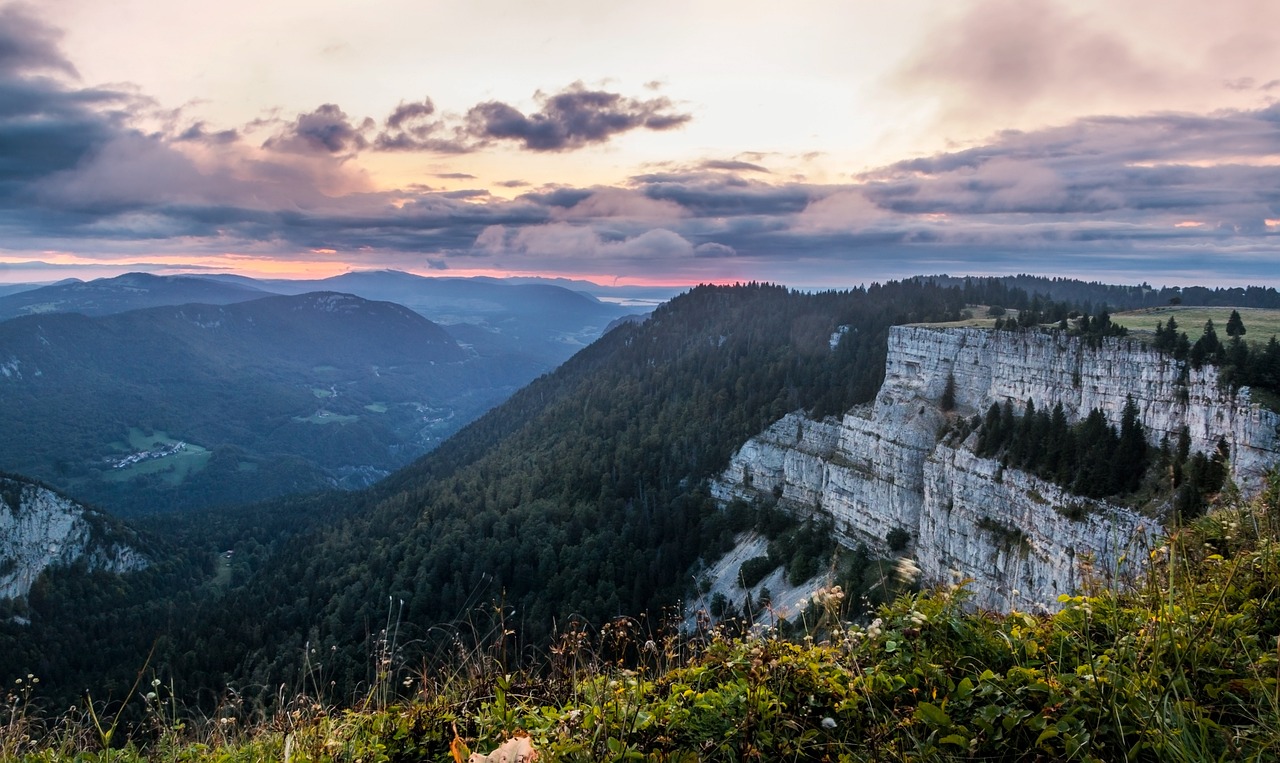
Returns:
<point x="131" y="291"/>
<point x="541" y="322"/>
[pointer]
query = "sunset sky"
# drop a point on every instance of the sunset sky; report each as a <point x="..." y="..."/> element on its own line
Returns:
<point x="808" y="143"/>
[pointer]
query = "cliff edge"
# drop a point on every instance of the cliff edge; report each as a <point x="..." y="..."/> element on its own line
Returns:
<point x="1022" y="541"/>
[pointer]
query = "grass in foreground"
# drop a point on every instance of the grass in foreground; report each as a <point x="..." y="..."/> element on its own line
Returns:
<point x="1184" y="666"/>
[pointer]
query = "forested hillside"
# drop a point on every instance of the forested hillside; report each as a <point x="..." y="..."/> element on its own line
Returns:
<point x="582" y="495"/>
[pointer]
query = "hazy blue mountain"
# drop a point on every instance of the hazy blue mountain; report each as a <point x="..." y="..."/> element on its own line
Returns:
<point x="131" y="291"/>
<point x="202" y="404"/>
<point x="546" y="322"/>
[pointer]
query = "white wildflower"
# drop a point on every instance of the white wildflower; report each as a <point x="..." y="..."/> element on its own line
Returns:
<point x="906" y="571"/>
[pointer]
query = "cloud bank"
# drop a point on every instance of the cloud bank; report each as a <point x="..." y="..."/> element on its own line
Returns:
<point x="1183" y="196"/>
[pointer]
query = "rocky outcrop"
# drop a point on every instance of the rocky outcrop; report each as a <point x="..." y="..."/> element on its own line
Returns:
<point x="1022" y="541"/>
<point x="40" y="529"/>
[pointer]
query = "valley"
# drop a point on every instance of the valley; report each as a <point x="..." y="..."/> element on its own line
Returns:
<point x="268" y="394"/>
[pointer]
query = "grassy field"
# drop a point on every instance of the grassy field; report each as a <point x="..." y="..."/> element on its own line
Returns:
<point x="1260" y="325"/>
<point x="979" y="319"/>
<point x="173" y="469"/>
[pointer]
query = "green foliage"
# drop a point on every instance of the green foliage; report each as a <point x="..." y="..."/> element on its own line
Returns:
<point x="1182" y="665"/>
<point x="754" y="570"/>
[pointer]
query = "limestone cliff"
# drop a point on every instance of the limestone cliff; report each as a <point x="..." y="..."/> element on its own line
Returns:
<point x="1022" y="540"/>
<point x="40" y="529"/>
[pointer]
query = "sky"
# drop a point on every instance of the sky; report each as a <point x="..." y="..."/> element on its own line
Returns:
<point x="815" y="143"/>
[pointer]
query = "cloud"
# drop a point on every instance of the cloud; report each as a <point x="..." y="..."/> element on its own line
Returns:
<point x="847" y="210"/>
<point x="622" y="203"/>
<point x="1092" y="194"/>
<point x="327" y="129"/>
<point x="732" y="165"/>
<point x="415" y="127"/>
<point x="563" y="242"/>
<point x="1006" y="57"/>
<point x="28" y="45"/>
<point x="573" y="118"/>
<point x="714" y="249"/>
<point x="198" y="132"/>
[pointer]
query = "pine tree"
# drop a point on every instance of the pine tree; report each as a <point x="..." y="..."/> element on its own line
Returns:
<point x="1235" y="326"/>
<point x="1131" y="453"/>
<point x="948" y="400"/>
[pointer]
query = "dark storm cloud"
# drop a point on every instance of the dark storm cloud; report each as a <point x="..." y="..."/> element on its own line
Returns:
<point x="327" y="129"/>
<point x="570" y="119"/>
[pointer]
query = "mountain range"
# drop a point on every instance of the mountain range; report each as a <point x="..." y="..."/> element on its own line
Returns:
<point x="543" y="322"/>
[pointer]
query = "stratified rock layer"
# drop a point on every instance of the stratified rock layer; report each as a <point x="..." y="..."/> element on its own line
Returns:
<point x="1023" y="541"/>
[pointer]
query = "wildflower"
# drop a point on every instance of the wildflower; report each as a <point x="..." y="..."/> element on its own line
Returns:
<point x="876" y="627"/>
<point x="828" y="722"/>
<point x="906" y="571"/>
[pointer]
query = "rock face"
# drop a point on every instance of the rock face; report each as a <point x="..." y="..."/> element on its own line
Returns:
<point x="1022" y="540"/>
<point x="40" y="529"/>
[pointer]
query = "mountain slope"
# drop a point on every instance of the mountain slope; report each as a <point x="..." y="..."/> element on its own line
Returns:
<point x="583" y="494"/>
<point x="199" y="404"/>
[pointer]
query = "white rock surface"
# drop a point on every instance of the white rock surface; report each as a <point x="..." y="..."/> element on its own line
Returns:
<point x="40" y="529"/>
<point x="883" y="466"/>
